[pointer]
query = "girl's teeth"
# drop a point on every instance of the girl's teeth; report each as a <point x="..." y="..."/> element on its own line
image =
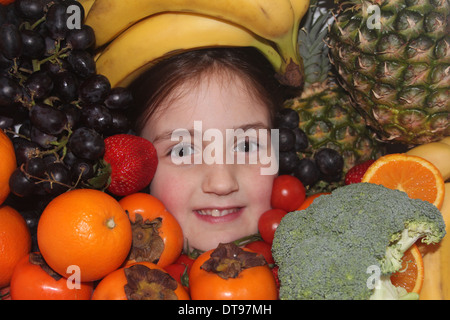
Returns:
<point x="215" y="212"/>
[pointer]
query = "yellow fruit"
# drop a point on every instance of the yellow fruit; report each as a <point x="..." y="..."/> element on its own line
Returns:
<point x="436" y="258"/>
<point x="438" y="153"/>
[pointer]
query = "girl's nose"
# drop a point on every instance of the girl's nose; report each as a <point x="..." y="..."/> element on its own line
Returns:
<point x="219" y="179"/>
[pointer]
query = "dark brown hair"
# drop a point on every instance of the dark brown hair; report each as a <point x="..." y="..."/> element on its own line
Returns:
<point x="156" y="84"/>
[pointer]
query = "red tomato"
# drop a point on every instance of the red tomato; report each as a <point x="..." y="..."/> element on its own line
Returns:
<point x="184" y="259"/>
<point x="180" y="272"/>
<point x="268" y="223"/>
<point x="4" y="294"/>
<point x="262" y="247"/>
<point x="288" y="193"/>
<point x="30" y="282"/>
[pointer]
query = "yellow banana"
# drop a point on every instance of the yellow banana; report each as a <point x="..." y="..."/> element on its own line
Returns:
<point x="445" y="246"/>
<point x="268" y="18"/>
<point x="446" y="140"/>
<point x="276" y="21"/>
<point x="155" y="37"/>
<point x="300" y="8"/>
<point x="87" y="5"/>
<point x="438" y="153"/>
<point x="436" y="259"/>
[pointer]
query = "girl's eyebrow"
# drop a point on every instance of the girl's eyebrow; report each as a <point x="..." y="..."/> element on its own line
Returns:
<point x="167" y="135"/>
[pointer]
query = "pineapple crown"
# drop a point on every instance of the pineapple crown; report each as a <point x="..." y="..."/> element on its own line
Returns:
<point x="312" y="46"/>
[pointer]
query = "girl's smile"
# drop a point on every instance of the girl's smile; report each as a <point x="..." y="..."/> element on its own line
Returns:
<point x="219" y="215"/>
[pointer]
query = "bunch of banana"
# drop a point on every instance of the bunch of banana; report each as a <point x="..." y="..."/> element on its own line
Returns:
<point x="436" y="258"/>
<point x="87" y="5"/>
<point x="438" y="153"/>
<point x="134" y="34"/>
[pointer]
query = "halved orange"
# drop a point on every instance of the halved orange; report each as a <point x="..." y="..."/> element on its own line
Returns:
<point x="418" y="177"/>
<point x="411" y="274"/>
<point x="310" y="199"/>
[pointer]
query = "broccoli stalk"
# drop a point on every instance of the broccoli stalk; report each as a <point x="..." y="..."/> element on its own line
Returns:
<point x="385" y="290"/>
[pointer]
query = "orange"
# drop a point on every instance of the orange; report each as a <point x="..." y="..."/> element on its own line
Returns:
<point x="411" y="274"/>
<point x="418" y="177"/>
<point x="310" y="199"/>
<point x="7" y="165"/>
<point x="85" y="229"/>
<point x="15" y="242"/>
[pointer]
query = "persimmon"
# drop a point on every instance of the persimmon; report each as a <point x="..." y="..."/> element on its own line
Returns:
<point x="231" y="273"/>
<point x="86" y="228"/>
<point x="15" y="242"/>
<point x="139" y="281"/>
<point x="33" y="279"/>
<point x="7" y="165"/>
<point x="157" y="235"/>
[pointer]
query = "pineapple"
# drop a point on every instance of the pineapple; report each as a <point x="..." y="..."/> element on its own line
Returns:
<point x="324" y="107"/>
<point x="394" y="58"/>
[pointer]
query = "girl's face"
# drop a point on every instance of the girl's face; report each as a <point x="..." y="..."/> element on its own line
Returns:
<point x="214" y="198"/>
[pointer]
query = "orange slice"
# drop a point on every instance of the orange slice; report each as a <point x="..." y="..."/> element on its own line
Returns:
<point x="310" y="199"/>
<point x="418" y="177"/>
<point x="411" y="273"/>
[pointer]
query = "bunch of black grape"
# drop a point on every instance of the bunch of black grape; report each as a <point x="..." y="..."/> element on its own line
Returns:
<point x="298" y="158"/>
<point x="55" y="107"/>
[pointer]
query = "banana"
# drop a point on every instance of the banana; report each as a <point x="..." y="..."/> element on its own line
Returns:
<point x="446" y="140"/>
<point x="158" y="36"/>
<point x="445" y="246"/>
<point x="87" y="5"/>
<point x="438" y="153"/>
<point x="436" y="259"/>
<point x="276" y="21"/>
<point x="300" y="8"/>
<point x="271" y="18"/>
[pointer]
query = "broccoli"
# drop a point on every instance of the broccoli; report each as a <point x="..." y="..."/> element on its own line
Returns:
<point x="346" y="245"/>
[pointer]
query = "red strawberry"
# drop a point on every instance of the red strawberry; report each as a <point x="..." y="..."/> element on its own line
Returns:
<point x="133" y="162"/>
<point x="355" y="174"/>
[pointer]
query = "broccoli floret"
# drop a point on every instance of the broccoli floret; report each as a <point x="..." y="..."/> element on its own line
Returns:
<point x="345" y="245"/>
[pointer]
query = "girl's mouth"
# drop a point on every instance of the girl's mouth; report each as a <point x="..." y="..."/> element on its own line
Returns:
<point x="217" y="215"/>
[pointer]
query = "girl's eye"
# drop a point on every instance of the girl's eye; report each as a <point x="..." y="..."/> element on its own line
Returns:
<point x="246" y="146"/>
<point x="182" y="150"/>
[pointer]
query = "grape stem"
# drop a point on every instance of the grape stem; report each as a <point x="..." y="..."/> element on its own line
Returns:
<point x="49" y="179"/>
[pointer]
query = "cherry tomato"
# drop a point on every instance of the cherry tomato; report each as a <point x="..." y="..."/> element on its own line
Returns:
<point x="30" y="282"/>
<point x="180" y="272"/>
<point x="112" y="286"/>
<point x="255" y="283"/>
<point x="262" y="247"/>
<point x="268" y="222"/>
<point x="186" y="260"/>
<point x="288" y="193"/>
<point x="150" y="208"/>
<point x="4" y="294"/>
